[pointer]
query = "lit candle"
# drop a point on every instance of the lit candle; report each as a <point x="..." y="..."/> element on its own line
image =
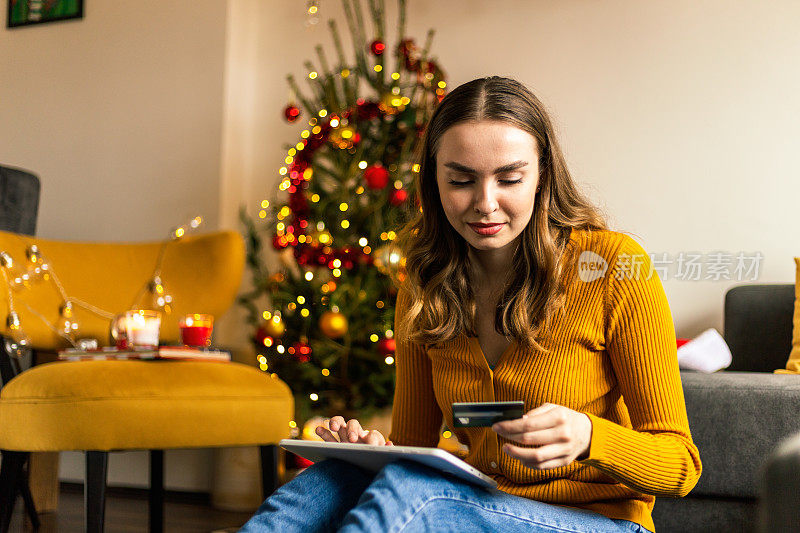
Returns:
<point x="142" y="328"/>
<point x="196" y="329"/>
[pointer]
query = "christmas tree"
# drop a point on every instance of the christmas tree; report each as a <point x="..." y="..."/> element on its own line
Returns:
<point x="323" y="321"/>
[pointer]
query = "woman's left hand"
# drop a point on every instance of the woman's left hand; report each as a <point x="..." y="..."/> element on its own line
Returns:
<point x="560" y="434"/>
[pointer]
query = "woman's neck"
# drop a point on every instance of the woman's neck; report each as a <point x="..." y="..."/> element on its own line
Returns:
<point x="491" y="268"/>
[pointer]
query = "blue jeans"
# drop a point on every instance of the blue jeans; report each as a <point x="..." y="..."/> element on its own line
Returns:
<point x="333" y="495"/>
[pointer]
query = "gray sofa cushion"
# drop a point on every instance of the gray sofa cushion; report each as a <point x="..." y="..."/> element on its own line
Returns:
<point x="705" y="515"/>
<point x="19" y="200"/>
<point x="736" y="418"/>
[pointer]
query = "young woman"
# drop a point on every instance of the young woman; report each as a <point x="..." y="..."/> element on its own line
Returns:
<point x="515" y="290"/>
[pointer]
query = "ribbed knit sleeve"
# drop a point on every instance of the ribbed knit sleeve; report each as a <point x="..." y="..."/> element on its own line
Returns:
<point x="416" y="417"/>
<point x="657" y="456"/>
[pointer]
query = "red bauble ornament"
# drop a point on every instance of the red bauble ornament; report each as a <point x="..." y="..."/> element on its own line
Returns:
<point x="386" y="346"/>
<point x="376" y="176"/>
<point x="302" y="352"/>
<point x="398" y="196"/>
<point x="377" y="47"/>
<point x="291" y="113"/>
<point x="367" y="110"/>
<point x="261" y="334"/>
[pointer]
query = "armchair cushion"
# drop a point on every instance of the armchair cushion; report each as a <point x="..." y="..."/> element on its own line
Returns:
<point x="124" y="405"/>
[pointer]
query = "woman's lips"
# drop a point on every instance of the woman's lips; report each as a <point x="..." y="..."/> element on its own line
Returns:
<point x="486" y="229"/>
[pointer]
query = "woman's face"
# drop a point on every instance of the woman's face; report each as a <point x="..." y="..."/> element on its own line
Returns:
<point x="487" y="173"/>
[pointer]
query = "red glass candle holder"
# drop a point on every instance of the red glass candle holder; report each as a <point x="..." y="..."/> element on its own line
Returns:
<point x="196" y="330"/>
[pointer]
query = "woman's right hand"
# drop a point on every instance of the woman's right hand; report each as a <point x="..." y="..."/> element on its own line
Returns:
<point x="350" y="432"/>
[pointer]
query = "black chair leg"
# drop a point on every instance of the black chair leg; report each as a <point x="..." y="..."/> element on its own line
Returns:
<point x="156" y="502"/>
<point x="27" y="498"/>
<point x="95" y="490"/>
<point x="270" y="457"/>
<point x="11" y="472"/>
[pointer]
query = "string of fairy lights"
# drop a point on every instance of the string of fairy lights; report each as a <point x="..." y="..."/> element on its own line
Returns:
<point x="37" y="269"/>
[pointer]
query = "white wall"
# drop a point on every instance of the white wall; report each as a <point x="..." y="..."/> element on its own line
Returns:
<point x="679" y="117"/>
<point x="120" y="114"/>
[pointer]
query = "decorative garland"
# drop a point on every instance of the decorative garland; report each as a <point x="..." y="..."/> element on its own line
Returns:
<point x="39" y="269"/>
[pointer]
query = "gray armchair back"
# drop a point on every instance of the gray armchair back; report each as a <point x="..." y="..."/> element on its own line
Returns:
<point x="19" y="200"/>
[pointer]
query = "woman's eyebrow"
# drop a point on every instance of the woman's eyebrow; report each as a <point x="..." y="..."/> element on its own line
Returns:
<point x="466" y="170"/>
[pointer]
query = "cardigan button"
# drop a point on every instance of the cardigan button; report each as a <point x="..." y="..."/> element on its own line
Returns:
<point x="493" y="464"/>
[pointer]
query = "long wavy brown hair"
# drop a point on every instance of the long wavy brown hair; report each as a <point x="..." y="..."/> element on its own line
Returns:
<point x="436" y="275"/>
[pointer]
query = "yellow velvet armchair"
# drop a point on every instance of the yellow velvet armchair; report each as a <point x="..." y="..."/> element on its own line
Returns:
<point x="104" y="406"/>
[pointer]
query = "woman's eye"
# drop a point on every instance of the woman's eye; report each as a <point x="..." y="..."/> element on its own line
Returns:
<point x="510" y="182"/>
<point x="459" y="183"/>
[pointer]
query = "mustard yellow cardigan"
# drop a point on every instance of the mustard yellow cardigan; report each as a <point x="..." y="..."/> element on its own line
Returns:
<point x="612" y="356"/>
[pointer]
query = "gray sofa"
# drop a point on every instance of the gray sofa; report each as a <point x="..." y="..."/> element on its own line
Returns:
<point x="739" y="415"/>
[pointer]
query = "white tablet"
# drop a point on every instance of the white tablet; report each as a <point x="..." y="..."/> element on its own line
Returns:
<point x="373" y="458"/>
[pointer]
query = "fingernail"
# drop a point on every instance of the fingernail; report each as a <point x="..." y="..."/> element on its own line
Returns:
<point x="353" y="436"/>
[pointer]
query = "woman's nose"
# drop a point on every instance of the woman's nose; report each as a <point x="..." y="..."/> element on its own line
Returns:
<point x="485" y="201"/>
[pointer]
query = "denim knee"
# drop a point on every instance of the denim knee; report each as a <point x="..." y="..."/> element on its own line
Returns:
<point x="331" y="464"/>
<point x="405" y="469"/>
<point x="418" y="481"/>
<point x="314" y="501"/>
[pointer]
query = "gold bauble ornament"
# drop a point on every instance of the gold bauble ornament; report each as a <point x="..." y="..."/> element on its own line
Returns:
<point x="333" y="324"/>
<point x="274" y="327"/>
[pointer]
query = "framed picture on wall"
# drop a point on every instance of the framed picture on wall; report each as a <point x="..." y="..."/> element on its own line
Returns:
<point x="27" y="12"/>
